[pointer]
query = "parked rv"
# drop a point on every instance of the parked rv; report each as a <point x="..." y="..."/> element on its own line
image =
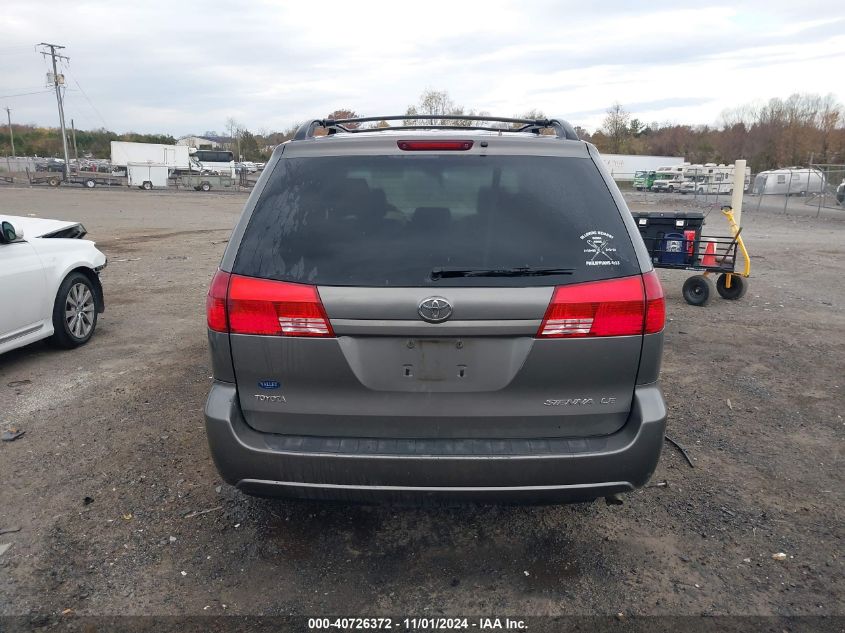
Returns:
<point x="669" y="179"/>
<point x="712" y="179"/>
<point x="643" y="179"/>
<point x="623" y="167"/>
<point x="691" y="184"/>
<point x="708" y="178"/>
<point x="792" y="181"/>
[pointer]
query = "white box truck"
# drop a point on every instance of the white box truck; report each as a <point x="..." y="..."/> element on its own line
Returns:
<point x="174" y="157"/>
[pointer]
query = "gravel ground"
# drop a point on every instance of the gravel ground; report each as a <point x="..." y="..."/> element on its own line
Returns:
<point x="121" y="511"/>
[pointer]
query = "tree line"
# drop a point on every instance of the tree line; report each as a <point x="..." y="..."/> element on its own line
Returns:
<point x="32" y="140"/>
<point x="799" y="130"/>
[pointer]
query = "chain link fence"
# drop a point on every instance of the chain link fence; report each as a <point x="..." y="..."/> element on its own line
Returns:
<point x="17" y="164"/>
<point x="799" y="190"/>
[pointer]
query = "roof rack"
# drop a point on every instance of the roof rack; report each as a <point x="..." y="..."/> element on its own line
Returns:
<point x="562" y="128"/>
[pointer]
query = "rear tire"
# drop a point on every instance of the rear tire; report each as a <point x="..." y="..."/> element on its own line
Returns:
<point x="90" y="183"/>
<point x="737" y="290"/>
<point x="698" y="290"/>
<point x="74" y="312"/>
<point x="147" y="185"/>
<point x="54" y="182"/>
<point x="205" y="186"/>
<point x="670" y="189"/>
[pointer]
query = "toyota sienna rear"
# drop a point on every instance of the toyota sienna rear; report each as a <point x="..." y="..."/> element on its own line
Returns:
<point x="460" y="313"/>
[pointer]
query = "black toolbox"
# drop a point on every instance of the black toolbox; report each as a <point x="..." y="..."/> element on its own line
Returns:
<point x="671" y="237"/>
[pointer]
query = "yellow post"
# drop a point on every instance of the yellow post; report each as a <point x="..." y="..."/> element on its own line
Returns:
<point x="729" y="214"/>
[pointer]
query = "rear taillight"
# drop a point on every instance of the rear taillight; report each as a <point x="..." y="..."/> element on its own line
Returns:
<point x="614" y="307"/>
<point x="266" y="307"/>
<point x="275" y="308"/>
<point x="434" y="146"/>
<point x="215" y="302"/>
<point x="655" y="304"/>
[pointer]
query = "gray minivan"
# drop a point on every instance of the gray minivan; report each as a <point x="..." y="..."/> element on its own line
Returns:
<point x="460" y="310"/>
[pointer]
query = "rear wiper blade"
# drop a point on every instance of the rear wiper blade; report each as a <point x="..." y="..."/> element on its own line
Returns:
<point x="521" y="271"/>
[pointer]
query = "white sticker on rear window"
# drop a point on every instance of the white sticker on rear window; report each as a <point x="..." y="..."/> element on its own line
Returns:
<point x="599" y="249"/>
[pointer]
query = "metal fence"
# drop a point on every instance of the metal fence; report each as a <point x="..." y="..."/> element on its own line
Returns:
<point x="800" y="190"/>
<point x="17" y="164"/>
<point x="803" y="190"/>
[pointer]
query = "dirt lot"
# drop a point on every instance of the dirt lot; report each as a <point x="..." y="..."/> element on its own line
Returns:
<point x="107" y="483"/>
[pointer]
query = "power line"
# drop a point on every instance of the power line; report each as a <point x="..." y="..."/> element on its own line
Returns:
<point x="29" y="88"/>
<point x="24" y="94"/>
<point x="91" y="103"/>
<point x="4" y="49"/>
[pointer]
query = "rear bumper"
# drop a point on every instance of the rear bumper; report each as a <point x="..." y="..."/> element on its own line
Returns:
<point x="531" y="471"/>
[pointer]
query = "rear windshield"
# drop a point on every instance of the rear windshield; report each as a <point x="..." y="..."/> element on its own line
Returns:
<point x="392" y="220"/>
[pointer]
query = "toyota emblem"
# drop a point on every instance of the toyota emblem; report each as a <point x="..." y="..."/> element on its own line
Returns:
<point x="435" y="309"/>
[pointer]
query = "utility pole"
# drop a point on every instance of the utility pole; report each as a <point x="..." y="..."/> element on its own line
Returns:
<point x="75" y="150"/>
<point x="53" y="48"/>
<point x="11" y="133"/>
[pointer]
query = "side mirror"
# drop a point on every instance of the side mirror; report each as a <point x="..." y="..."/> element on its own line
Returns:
<point x="8" y="233"/>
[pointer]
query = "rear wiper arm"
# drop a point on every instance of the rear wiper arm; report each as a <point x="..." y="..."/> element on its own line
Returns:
<point x="521" y="271"/>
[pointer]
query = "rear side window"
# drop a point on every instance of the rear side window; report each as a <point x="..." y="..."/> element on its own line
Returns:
<point x="391" y="220"/>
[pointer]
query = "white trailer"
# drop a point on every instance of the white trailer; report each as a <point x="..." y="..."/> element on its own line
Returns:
<point x="146" y="175"/>
<point x="623" y="166"/>
<point x="790" y="182"/>
<point x="174" y="157"/>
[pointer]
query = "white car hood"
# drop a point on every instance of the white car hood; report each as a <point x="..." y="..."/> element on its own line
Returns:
<point x="38" y="227"/>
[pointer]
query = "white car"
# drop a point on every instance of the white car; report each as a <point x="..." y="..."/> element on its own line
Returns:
<point x="49" y="282"/>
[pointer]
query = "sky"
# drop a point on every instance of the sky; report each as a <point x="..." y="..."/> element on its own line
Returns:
<point x="186" y="67"/>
